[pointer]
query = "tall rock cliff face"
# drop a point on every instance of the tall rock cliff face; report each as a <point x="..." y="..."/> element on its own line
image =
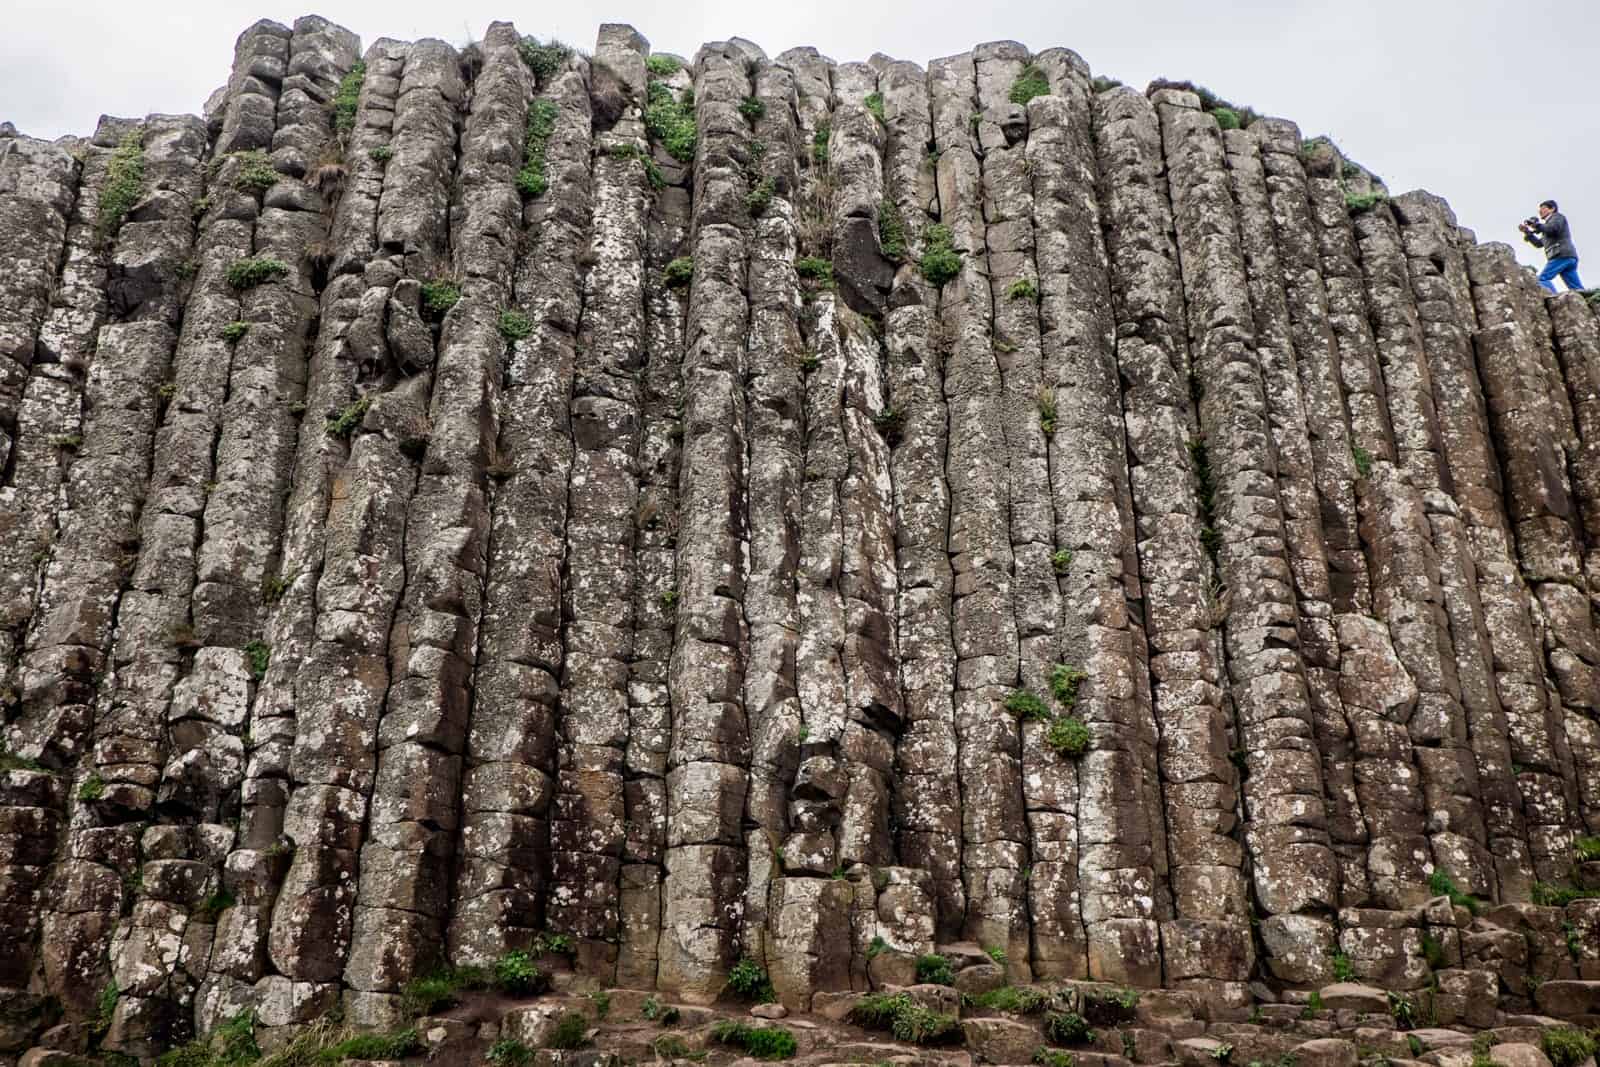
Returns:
<point x="771" y="508"/>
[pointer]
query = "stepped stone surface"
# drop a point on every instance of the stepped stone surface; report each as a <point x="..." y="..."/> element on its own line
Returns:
<point x="670" y="519"/>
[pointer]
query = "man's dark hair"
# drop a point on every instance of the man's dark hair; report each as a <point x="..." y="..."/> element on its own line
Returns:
<point x="1551" y="204"/>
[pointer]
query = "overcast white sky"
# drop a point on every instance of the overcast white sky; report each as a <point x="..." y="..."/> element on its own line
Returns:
<point x="1489" y="104"/>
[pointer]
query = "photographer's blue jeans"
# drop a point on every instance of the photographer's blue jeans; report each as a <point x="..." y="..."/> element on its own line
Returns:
<point x="1566" y="269"/>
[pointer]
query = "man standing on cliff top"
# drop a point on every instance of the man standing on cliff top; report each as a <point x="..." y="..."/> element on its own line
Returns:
<point x="1550" y="232"/>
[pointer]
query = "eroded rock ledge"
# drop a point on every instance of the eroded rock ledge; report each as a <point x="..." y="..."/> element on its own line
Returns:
<point x="746" y="508"/>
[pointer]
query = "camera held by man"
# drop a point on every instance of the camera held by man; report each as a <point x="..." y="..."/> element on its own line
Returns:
<point x="1549" y="230"/>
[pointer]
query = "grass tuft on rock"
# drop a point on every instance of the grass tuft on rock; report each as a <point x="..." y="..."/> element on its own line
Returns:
<point x="874" y="104"/>
<point x="252" y="271"/>
<point x="124" y="184"/>
<point x="1025" y="706"/>
<point x="1068" y="1028"/>
<point x="541" y="123"/>
<point x="544" y="60"/>
<point x="678" y="273"/>
<point x="748" y="981"/>
<point x="256" y="173"/>
<point x="514" y="325"/>
<point x="670" y="120"/>
<point x="1567" y="1047"/>
<point x="761" y="1042"/>
<point x="347" y="97"/>
<point x="934" y="969"/>
<point x="891" y="231"/>
<point x="439" y="295"/>
<point x="1017" y="1000"/>
<point x="660" y="66"/>
<point x="940" y="261"/>
<point x="1029" y="84"/>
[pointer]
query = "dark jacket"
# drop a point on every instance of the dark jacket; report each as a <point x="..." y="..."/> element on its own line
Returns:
<point x="1554" y="236"/>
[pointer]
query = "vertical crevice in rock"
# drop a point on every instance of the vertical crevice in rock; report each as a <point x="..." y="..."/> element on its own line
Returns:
<point x="1182" y="602"/>
<point x="658" y="519"/>
<point x="775" y="415"/>
<point x="1438" y="280"/>
<point x="1292" y="866"/>
<point x="1577" y="342"/>
<point x="340" y="687"/>
<point x="1531" y="431"/>
<point x="927" y="803"/>
<point x="994" y="834"/>
<point x="79" y="638"/>
<point x="509" y="779"/>
<point x="1317" y="362"/>
<point x="1121" y="836"/>
<point x="415" y="809"/>
<point x="587" y="828"/>
<point x="349" y="347"/>
<point x="707" y="766"/>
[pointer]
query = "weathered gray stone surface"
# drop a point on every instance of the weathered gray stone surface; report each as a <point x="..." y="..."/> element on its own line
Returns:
<point x="586" y="540"/>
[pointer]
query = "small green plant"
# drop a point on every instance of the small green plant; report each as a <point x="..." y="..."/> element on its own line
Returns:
<point x="1222" y="1053"/>
<point x="1025" y="706"/>
<point x="996" y="953"/>
<point x="543" y="60"/>
<point x="514" y="325"/>
<point x="678" y="273"/>
<point x="1052" y="1057"/>
<point x="670" y="121"/>
<point x="395" y="1046"/>
<point x="234" y="331"/>
<point x="1029" y="84"/>
<point x="1061" y="560"/>
<point x="1586" y="849"/>
<point x="124" y="184"/>
<point x="252" y="271"/>
<point x="167" y="391"/>
<point x="874" y="104"/>
<point x="1313" y="1005"/>
<point x="93" y="787"/>
<point x="1432" y="951"/>
<point x="1360" y="203"/>
<point x="1064" y="682"/>
<point x="1559" y="896"/>
<point x="815" y="268"/>
<point x="1015" y="1000"/>
<point x="1403" y="1010"/>
<point x="570" y="1031"/>
<point x="819" y="141"/>
<point x="439" y="295"/>
<point x="344" y="424"/>
<point x="1440" y="884"/>
<point x="669" y="599"/>
<point x="256" y="173"/>
<point x="68" y="442"/>
<point x="347" y="97"/>
<point x="921" y="1025"/>
<point x="1068" y="736"/>
<point x="934" y="969"/>
<point x="657" y="1012"/>
<point x="1022" y="289"/>
<point x="231" y="1044"/>
<point x="757" y="200"/>
<point x="509" y="1052"/>
<point x="1414" y="1043"/>
<point x="1363" y="461"/>
<point x="540" y="124"/>
<point x="1067" y="1028"/>
<point x="661" y="66"/>
<point x="748" y="981"/>
<point x="1567" y="1047"/>
<point x="1045" y="400"/>
<point x="1342" y="971"/>
<point x="1574" y="945"/>
<point x="380" y="154"/>
<point x="515" y="974"/>
<point x="10" y="761"/>
<point x="260" y="654"/>
<point x="1227" y="118"/>
<point x="877" y="945"/>
<point x="761" y="1042"/>
<point x="752" y="109"/>
<point x="891" y="231"/>
<point x="940" y="261"/>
